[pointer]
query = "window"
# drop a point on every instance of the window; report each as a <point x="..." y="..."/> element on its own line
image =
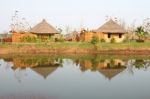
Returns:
<point x="109" y="35"/>
<point x="120" y="35"/>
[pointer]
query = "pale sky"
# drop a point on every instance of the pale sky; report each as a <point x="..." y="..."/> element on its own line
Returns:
<point x="74" y="13"/>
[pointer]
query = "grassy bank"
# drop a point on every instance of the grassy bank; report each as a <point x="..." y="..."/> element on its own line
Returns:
<point x="75" y="47"/>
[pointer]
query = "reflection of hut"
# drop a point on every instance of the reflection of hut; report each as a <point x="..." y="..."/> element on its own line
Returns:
<point x="112" y="30"/>
<point x="23" y="63"/>
<point x="109" y="68"/>
<point x="44" y="30"/>
<point x="86" y="65"/>
<point x="111" y="63"/>
<point x="45" y="71"/>
<point x="32" y="62"/>
<point x="110" y="73"/>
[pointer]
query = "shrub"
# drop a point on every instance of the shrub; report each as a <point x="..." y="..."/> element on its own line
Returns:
<point x="28" y="39"/>
<point x="113" y="40"/>
<point x="60" y="39"/>
<point x="103" y="40"/>
<point x="94" y="40"/>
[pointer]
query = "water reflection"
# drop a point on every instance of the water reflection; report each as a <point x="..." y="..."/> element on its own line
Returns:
<point x="44" y="66"/>
<point x="91" y="76"/>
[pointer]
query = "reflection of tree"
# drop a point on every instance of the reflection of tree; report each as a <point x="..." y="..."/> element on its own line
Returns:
<point x="139" y="63"/>
<point x="130" y="66"/>
<point x="19" y="74"/>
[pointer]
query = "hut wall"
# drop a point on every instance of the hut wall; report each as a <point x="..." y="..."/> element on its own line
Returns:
<point x="16" y="37"/>
<point x="86" y="37"/>
<point x="99" y="35"/>
<point x="115" y="36"/>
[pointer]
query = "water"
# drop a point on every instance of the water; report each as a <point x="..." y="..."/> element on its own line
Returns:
<point x="74" y="77"/>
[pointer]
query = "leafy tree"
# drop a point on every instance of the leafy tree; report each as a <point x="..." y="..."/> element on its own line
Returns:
<point x="140" y="33"/>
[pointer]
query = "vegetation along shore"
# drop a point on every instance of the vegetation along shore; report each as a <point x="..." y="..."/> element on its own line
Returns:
<point x="76" y="48"/>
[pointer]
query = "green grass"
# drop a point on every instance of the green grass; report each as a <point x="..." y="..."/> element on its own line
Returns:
<point x="84" y="45"/>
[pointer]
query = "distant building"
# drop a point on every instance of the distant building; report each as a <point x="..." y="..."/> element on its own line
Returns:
<point x="5" y="38"/>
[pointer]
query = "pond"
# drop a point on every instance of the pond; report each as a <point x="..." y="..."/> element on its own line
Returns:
<point x="74" y="77"/>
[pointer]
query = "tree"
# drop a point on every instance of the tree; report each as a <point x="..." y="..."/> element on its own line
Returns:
<point x="140" y="33"/>
<point x="19" y="24"/>
<point x="146" y="25"/>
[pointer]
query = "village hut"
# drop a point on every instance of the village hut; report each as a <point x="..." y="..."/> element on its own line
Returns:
<point x="111" y="30"/>
<point x="44" y="30"/>
<point x="107" y="32"/>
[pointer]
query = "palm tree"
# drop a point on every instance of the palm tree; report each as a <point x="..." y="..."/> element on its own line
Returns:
<point x="140" y="33"/>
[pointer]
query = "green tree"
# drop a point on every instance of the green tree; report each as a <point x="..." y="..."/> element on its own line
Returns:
<point x="140" y="33"/>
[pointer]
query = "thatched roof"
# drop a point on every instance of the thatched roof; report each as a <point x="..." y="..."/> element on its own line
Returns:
<point x="44" y="28"/>
<point x="110" y="73"/>
<point x="45" y="71"/>
<point x="111" y="27"/>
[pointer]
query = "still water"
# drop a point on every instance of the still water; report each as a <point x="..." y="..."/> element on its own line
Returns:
<point x="74" y="77"/>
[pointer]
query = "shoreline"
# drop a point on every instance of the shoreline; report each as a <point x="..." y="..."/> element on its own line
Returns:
<point x="6" y="51"/>
<point x="69" y="48"/>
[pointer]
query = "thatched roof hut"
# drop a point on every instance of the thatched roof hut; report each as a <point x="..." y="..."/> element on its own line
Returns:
<point x="111" y="27"/>
<point x="44" y="28"/>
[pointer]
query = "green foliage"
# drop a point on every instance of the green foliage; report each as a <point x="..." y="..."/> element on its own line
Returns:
<point x="113" y="40"/>
<point x="29" y="39"/>
<point x="140" y="32"/>
<point x="94" y="40"/>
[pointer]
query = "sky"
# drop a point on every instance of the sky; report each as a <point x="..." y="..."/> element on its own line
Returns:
<point x="74" y="13"/>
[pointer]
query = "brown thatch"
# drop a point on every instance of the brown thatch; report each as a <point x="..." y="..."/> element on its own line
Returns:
<point x="44" y="28"/>
<point x="110" y="73"/>
<point x="45" y="71"/>
<point x="111" y="27"/>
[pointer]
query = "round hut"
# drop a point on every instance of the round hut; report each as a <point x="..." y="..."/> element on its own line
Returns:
<point x="111" y="30"/>
<point x="44" y="30"/>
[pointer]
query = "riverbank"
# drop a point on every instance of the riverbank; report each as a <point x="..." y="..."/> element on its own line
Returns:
<point x="76" y="48"/>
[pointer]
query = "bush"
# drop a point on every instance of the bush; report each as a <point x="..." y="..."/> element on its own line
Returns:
<point x="59" y="40"/>
<point x="28" y="39"/>
<point x="94" y="40"/>
<point x="103" y="40"/>
<point x="113" y="40"/>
